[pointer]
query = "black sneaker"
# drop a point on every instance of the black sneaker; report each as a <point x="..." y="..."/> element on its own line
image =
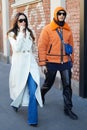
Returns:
<point x="15" y="108"/>
<point x="71" y="114"/>
<point x="34" y="125"/>
<point x="43" y="100"/>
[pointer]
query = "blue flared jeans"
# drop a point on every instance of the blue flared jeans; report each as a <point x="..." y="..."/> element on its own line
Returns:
<point x="32" y="107"/>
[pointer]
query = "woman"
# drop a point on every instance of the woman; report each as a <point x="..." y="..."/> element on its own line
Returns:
<point x="24" y="74"/>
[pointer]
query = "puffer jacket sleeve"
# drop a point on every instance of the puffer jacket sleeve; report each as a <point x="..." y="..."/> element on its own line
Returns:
<point x="42" y="46"/>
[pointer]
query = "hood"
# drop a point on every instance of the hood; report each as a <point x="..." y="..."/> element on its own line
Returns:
<point x="57" y="10"/>
<point x="53" y="23"/>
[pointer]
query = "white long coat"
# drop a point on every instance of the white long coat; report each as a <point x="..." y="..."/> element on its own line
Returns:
<point x="23" y="63"/>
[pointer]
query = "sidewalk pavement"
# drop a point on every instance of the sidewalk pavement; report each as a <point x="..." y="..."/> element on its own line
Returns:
<point x="51" y="116"/>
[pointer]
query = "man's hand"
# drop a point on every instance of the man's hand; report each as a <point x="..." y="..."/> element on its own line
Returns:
<point x="44" y="69"/>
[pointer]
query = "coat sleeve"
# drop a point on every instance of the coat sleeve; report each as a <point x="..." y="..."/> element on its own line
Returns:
<point x="42" y="47"/>
<point x="72" y="44"/>
<point x="16" y="43"/>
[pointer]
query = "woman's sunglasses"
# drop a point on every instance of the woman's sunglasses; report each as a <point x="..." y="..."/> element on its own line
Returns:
<point x="61" y="13"/>
<point x="21" y="20"/>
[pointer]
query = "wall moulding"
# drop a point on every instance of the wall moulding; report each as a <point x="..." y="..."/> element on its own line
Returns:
<point x="19" y="3"/>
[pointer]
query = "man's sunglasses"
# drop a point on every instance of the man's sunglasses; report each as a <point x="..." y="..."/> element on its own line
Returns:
<point x="61" y="13"/>
<point x="21" y="20"/>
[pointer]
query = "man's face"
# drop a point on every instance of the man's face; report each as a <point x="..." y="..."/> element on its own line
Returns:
<point x="61" y="15"/>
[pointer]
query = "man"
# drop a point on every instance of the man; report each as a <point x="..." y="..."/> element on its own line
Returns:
<point x="53" y="58"/>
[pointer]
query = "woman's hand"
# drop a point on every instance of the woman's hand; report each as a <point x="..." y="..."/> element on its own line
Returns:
<point x="22" y="28"/>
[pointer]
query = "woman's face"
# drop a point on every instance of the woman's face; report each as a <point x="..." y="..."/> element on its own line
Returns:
<point x="21" y="21"/>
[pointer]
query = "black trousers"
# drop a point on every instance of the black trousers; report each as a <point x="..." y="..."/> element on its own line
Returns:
<point x="66" y="81"/>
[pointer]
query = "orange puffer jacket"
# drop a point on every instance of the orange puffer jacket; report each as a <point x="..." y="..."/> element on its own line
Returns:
<point x="49" y="43"/>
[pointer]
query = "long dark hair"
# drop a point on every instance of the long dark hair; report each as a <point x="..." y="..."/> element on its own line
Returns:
<point x="15" y="25"/>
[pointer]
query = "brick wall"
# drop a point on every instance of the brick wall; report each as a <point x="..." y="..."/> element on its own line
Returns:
<point x="38" y="15"/>
<point x="73" y="18"/>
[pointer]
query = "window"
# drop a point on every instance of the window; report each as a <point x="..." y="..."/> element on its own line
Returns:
<point x="16" y="1"/>
<point x="19" y="3"/>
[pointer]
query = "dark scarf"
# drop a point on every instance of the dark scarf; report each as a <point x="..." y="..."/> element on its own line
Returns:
<point x="60" y="23"/>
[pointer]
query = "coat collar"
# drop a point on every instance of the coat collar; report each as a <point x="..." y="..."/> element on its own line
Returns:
<point x="54" y="26"/>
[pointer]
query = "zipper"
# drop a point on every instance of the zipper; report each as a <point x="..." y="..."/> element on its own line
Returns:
<point x="61" y="52"/>
<point x="50" y="48"/>
<point x="61" y="32"/>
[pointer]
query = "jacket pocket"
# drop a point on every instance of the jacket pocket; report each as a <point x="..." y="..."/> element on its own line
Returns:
<point x="50" y="48"/>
